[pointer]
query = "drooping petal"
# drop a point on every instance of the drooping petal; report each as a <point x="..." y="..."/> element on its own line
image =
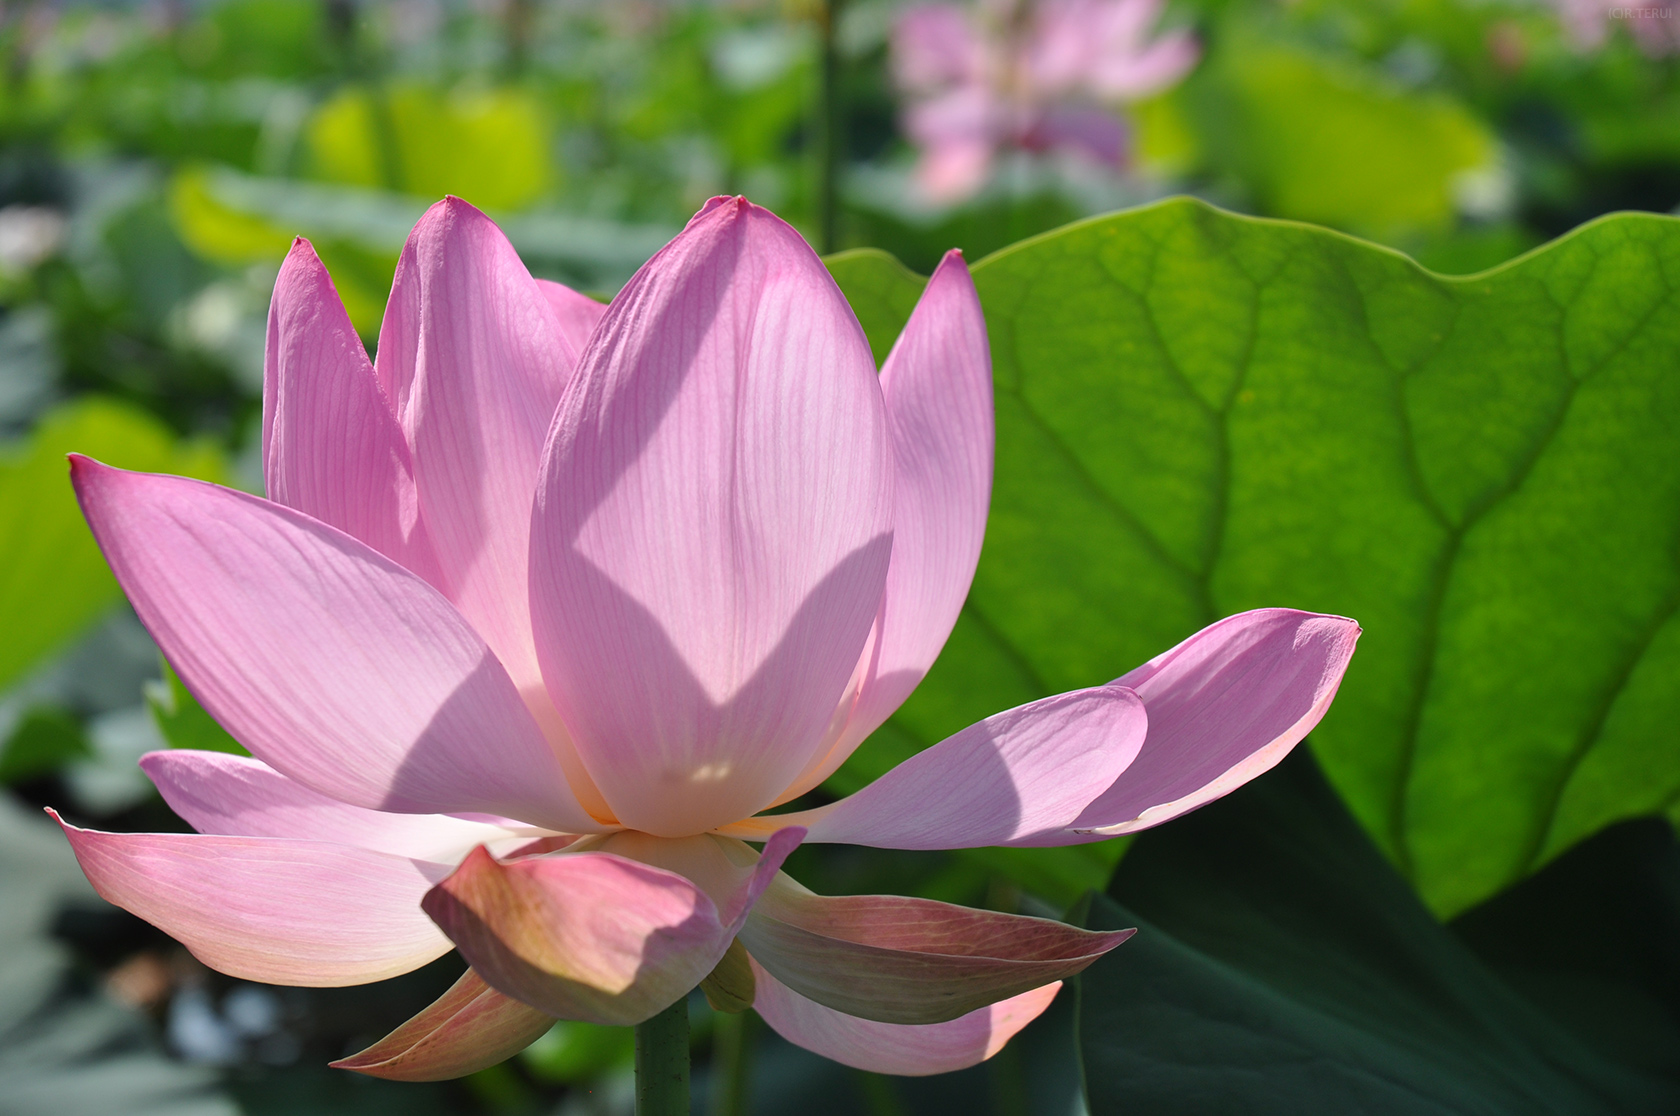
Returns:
<point x="236" y="796"/>
<point x="896" y="1048"/>
<point x="470" y="1027"/>
<point x="283" y="912"/>
<point x="1006" y="780"/>
<point x="332" y="664"/>
<point x="332" y="448"/>
<point x="900" y="960"/>
<point x="577" y="313"/>
<point x="713" y="525"/>
<point x="1224" y="706"/>
<point x="474" y="358"/>
<point x="592" y="935"/>
<point x="937" y="384"/>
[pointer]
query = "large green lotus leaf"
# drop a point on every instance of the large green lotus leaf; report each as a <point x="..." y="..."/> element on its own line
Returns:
<point x="1282" y="966"/>
<point x="53" y="580"/>
<point x="1200" y="413"/>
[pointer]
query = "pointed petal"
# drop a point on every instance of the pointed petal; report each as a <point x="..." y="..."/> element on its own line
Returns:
<point x="332" y="448"/>
<point x="897" y="1048"/>
<point x="576" y="312"/>
<point x="333" y="665"/>
<point x="474" y="360"/>
<point x="937" y="384"/>
<point x="282" y="912"/>
<point x="470" y="1027"/>
<point x="240" y="797"/>
<point x="1224" y="706"/>
<point x="900" y="960"/>
<point x="1013" y="776"/>
<point x="590" y="935"/>
<point x="713" y="525"/>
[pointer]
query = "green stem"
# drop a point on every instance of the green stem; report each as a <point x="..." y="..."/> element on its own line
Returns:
<point x="731" y="1062"/>
<point x="662" y="1063"/>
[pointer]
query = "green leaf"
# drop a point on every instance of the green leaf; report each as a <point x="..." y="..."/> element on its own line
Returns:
<point x="488" y="146"/>
<point x="44" y="741"/>
<point x="183" y="722"/>
<point x="1320" y="138"/>
<point x="1200" y="413"/>
<point x="1282" y="966"/>
<point x="574" y="1052"/>
<point x="53" y="580"/>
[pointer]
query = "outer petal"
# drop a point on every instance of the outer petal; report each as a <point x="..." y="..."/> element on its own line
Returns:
<point x="1224" y="706"/>
<point x="474" y="358"/>
<point x="910" y="1051"/>
<point x="713" y="525"/>
<point x="239" y="797"/>
<point x="1014" y="776"/>
<point x="332" y="664"/>
<point x="934" y="45"/>
<point x="899" y="960"/>
<point x="470" y="1027"/>
<point x="589" y="935"/>
<point x="577" y="313"/>
<point x="332" y="448"/>
<point x="282" y="912"/>
<point x="937" y="383"/>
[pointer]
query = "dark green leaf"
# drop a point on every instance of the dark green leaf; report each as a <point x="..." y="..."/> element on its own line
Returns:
<point x="1282" y="966"/>
<point x="44" y="741"/>
<point x="1200" y="413"/>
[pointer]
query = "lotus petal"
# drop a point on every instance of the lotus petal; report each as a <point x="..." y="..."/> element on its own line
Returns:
<point x="900" y="960"/>
<point x="1224" y="706"/>
<point x="239" y="797"/>
<point x="1006" y="780"/>
<point x="262" y="908"/>
<point x="470" y="1027"/>
<point x="332" y="447"/>
<point x="593" y="935"/>
<point x="713" y="525"/>
<point x="897" y="1048"/>
<point x="332" y="664"/>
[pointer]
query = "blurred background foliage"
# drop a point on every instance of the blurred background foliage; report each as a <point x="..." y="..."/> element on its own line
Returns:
<point x="157" y="158"/>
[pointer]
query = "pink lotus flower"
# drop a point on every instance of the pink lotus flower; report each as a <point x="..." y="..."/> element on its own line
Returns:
<point x="1036" y="78"/>
<point x="552" y="600"/>
<point x="1654" y="24"/>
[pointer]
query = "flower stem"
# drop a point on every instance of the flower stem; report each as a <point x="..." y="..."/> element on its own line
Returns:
<point x="662" y="1063"/>
<point x="829" y="142"/>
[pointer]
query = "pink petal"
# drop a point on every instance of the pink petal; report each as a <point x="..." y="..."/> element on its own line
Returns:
<point x="900" y="960"/>
<point x="332" y="664"/>
<point x="592" y="935"/>
<point x="474" y="358"/>
<point x="1159" y="66"/>
<point x="577" y="313"/>
<point x="278" y="911"/>
<point x="332" y="448"/>
<point x="937" y="383"/>
<point x="1008" y="780"/>
<point x="713" y="525"/>
<point x="470" y="1027"/>
<point x="953" y="170"/>
<point x="240" y="797"/>
<point x="934" y="45"/>
<point x="1224" y="706"/>
<point x="897" y="1048"/>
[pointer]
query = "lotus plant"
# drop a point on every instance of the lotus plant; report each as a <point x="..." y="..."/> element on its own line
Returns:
<point x="552" y="602"/>
<point x="1036" y="77"/>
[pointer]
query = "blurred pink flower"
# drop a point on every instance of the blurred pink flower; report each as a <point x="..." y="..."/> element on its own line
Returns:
<point x="551" y="600"/>
<point x="1035" y="77"/>
<point x="1655" y="25"/>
